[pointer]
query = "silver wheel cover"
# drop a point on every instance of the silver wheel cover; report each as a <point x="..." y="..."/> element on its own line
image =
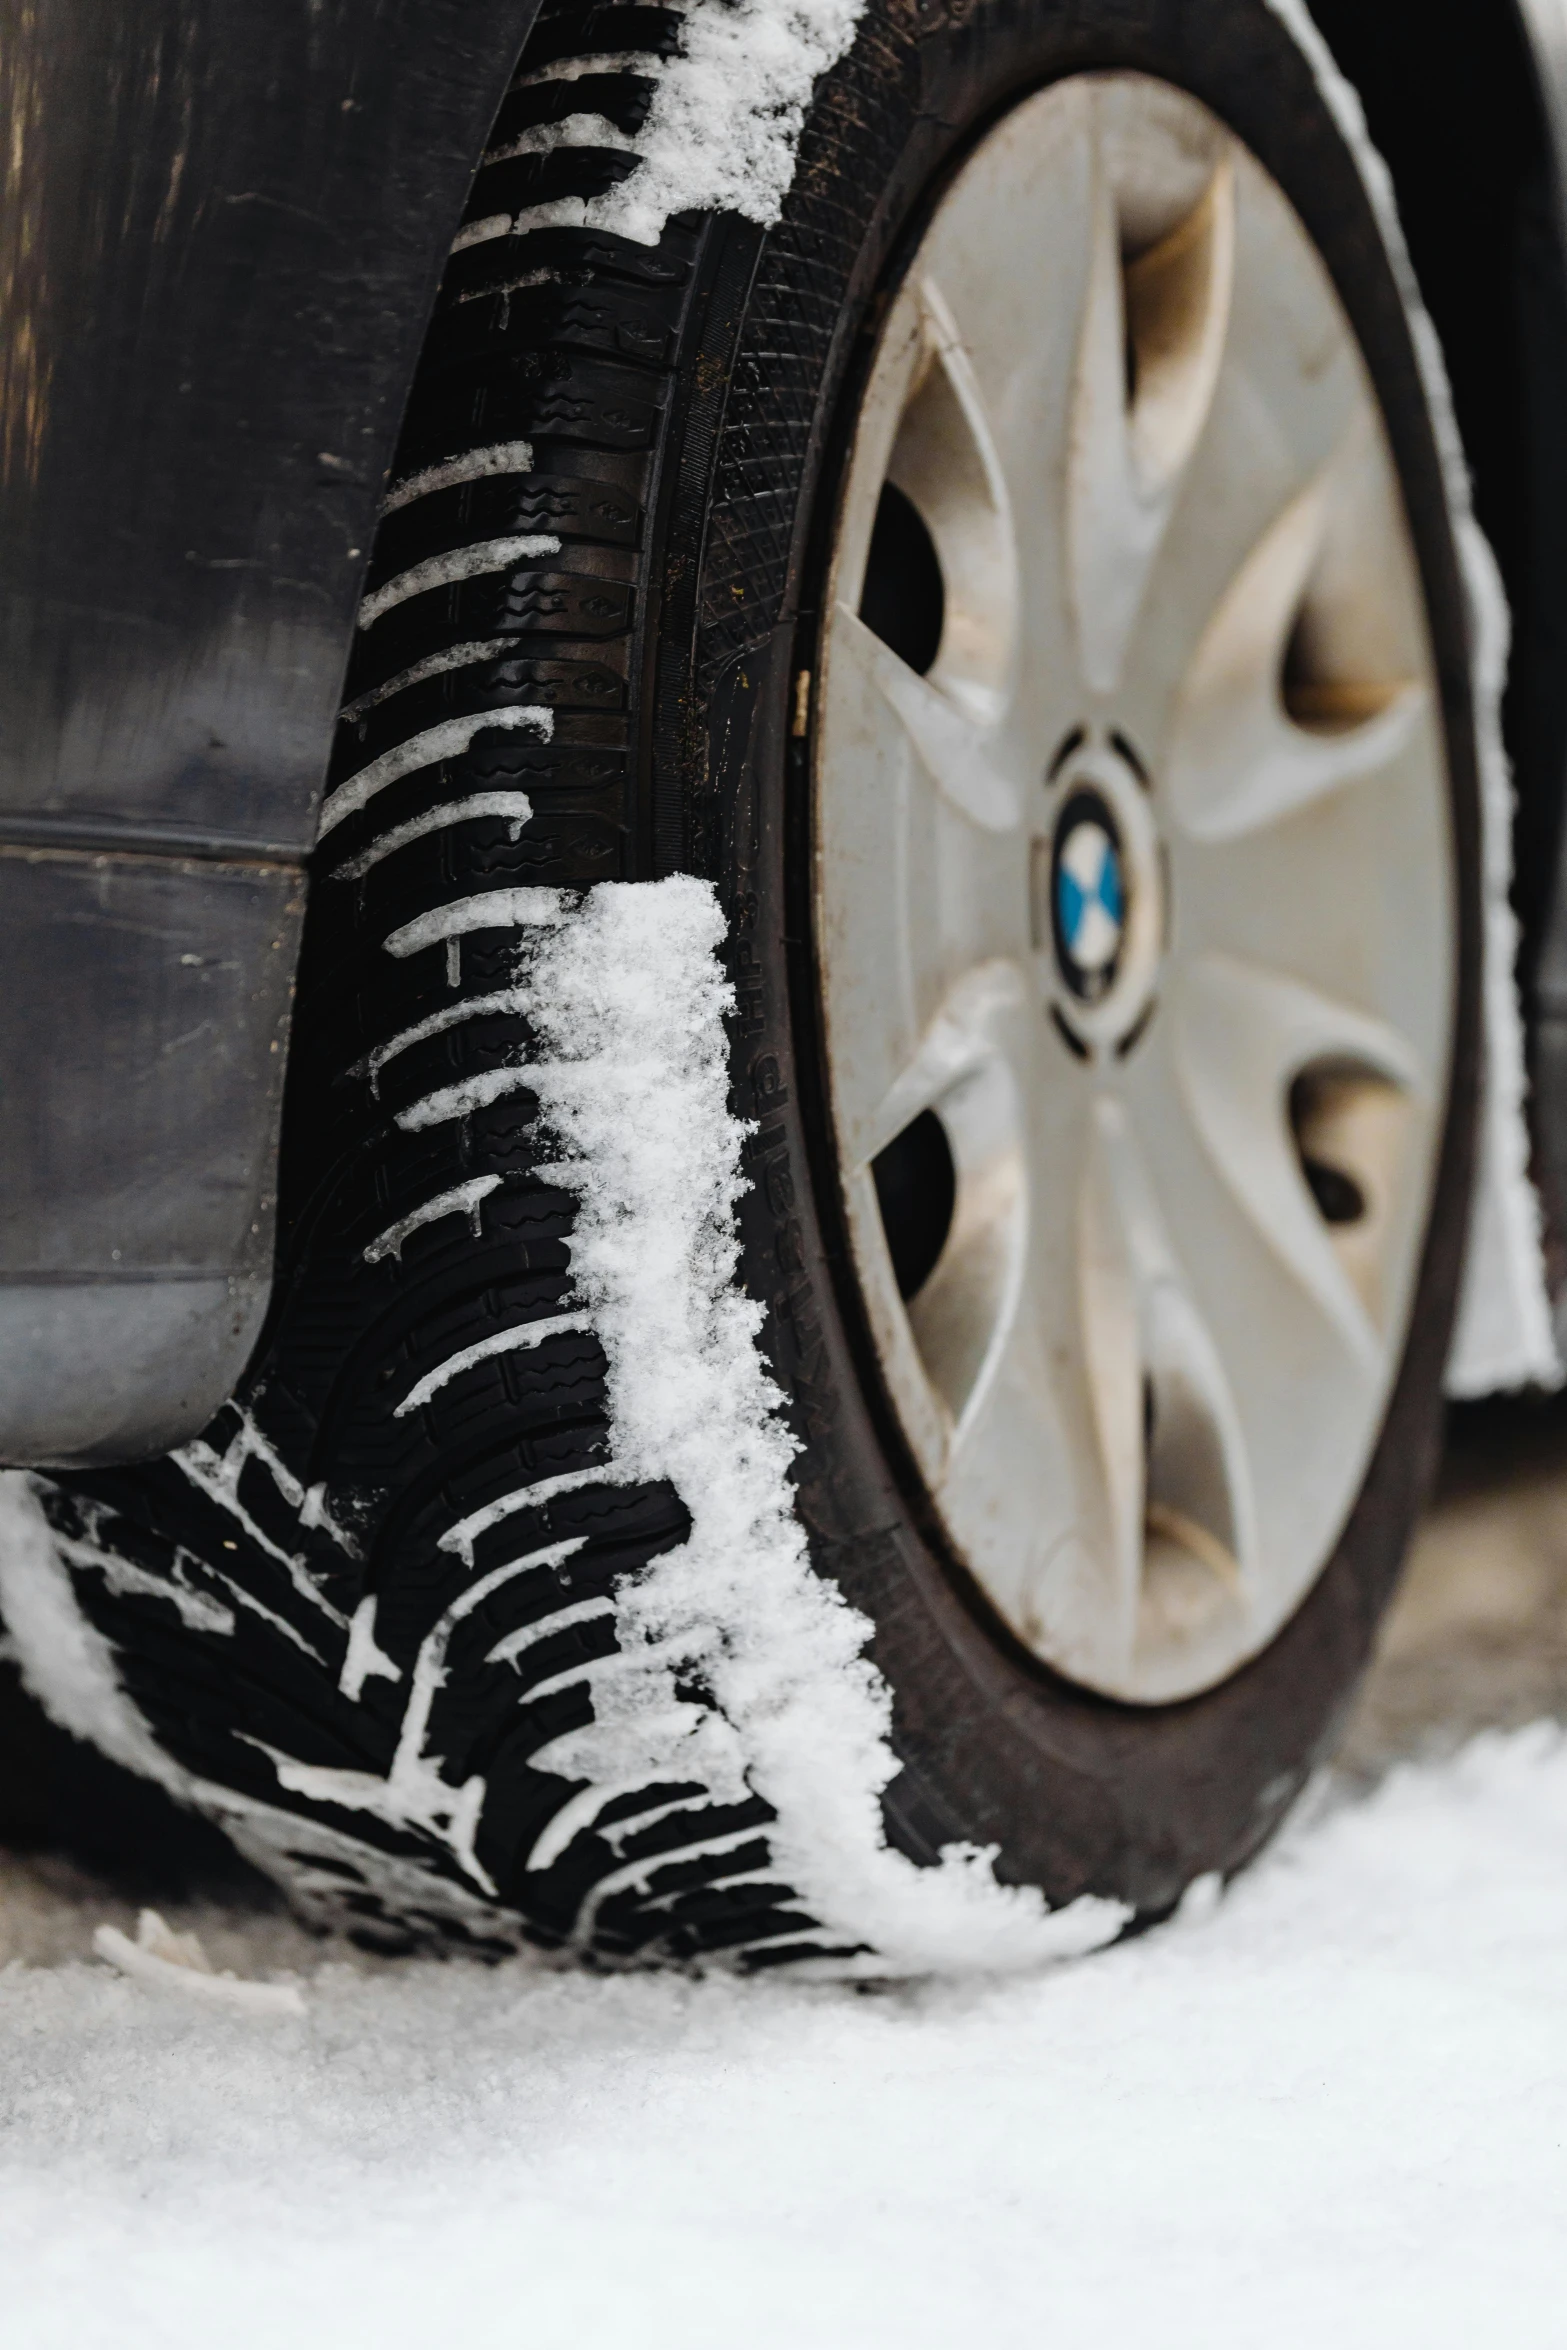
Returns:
<point x="1145" y="888"/>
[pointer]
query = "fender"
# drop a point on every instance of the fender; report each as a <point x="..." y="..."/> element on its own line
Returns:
<point x="1545" y="25"/>
<point x="1466" y="102"/>
<point x="221" y="232"/>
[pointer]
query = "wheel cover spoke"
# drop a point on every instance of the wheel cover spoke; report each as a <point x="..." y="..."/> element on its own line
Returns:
<point x="1239" y="759"/>
<point x="1134" y="887"/>
<point x="942" y="734"/>
<point x="1242" y="1035"/>
<point x="1129" y="454"/>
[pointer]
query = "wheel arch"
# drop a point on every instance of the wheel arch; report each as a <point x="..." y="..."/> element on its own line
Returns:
<point x="1467" y="104"/>
<point x="221" y="234"/>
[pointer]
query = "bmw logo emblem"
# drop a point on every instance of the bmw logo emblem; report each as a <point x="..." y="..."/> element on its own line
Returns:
<point x="1088" y="895"/>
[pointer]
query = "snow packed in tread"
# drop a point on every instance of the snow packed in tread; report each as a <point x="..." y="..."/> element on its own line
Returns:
<point x="575" y="371"/>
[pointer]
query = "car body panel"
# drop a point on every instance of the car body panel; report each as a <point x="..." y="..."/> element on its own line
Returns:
<point x="221" y="232"/>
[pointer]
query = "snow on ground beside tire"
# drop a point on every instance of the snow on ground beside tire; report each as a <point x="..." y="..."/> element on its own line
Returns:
<point x="1330" y="2109"/>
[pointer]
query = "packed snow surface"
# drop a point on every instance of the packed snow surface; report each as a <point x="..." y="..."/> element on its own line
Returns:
<point x="1326" y="2109"/>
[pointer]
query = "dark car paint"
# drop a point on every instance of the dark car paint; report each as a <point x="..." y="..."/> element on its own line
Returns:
<point x="221" y="230"/>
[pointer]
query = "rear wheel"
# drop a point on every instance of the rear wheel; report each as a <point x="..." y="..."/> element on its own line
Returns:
<point x="1022" y="583"/>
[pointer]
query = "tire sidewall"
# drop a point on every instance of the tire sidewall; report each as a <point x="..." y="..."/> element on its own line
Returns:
<point x="1078" y="1793"/>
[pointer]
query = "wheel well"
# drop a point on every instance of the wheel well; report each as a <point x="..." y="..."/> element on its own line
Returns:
<point x="1453" y="102"/>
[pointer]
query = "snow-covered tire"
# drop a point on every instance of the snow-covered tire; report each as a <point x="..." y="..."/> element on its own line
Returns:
<point x="391" y="1618"/>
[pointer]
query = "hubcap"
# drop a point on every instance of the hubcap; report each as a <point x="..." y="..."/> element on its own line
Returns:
<point x="1134" y="887"/>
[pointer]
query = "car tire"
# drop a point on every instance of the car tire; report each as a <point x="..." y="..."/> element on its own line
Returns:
<point x="660" y="570"/>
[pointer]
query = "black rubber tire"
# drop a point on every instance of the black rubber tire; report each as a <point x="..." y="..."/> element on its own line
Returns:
<point x="687" y="406"/>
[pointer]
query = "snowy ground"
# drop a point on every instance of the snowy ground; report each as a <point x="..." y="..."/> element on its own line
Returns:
<point x="1327" y="2110"/>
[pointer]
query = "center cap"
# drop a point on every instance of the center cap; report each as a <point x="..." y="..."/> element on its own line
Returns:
<point x="1089" y="890"/>
<point x="1099" y="887"/>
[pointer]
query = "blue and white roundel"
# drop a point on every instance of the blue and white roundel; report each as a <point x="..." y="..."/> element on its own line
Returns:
<point x="1090" y="907"/>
